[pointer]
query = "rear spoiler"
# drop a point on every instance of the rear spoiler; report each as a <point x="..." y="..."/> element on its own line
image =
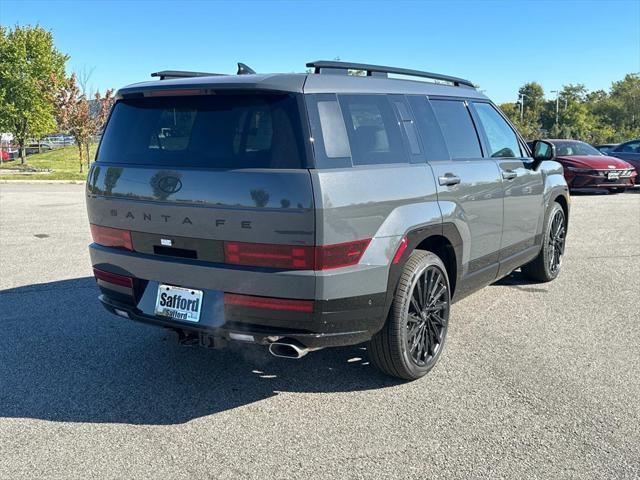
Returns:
<point x="171" y="74"/>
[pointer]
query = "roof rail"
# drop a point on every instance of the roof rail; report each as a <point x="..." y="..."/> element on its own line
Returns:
<point x="169" y="74"/>
<point x="323" y="66"/>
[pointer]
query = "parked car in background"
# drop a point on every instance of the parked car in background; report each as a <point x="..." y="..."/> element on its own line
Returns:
<point x="629" y="152"/>
<point x="586" y="167"/>
<point x="606" y="148"/>
<point x="37" y="147"/>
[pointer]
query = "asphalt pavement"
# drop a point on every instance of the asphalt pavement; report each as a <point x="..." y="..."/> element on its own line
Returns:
<point x="536" y="380"/>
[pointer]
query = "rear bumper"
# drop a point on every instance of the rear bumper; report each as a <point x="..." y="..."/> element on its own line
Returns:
<point x="327" y="329"/>
<point x="332" y="322"/>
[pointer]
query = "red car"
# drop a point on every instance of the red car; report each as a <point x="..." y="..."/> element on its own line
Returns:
<point x="586" y="167"/>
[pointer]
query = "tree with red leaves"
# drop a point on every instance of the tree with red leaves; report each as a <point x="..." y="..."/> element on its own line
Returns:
<point x="79" y="117"/>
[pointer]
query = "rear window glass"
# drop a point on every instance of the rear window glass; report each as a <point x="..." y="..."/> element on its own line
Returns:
<point x="214" y="131"/>
<point x="457" y="128"/>
<point x="374" y="133"/>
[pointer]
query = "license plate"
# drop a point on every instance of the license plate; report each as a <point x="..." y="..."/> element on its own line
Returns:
<point x="613" y="175"/>
<point x="179" y="303"/>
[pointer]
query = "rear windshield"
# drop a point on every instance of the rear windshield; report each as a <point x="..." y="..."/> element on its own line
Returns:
<point x="212" y="131"/>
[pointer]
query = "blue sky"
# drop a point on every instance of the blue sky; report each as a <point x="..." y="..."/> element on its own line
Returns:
<point x="498" y="45"/>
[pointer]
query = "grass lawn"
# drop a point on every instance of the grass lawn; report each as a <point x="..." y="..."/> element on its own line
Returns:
<point x="63" y="162"/>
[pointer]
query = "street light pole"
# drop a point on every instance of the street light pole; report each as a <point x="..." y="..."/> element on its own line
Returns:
<point x="557" y="105"/>
<point x="521" y="100"/>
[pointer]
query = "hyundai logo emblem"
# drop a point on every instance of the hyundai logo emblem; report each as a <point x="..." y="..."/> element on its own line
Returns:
<point x="169" y="184"/>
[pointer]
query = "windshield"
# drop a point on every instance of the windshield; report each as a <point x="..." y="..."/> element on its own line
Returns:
<point x="214" y="131"/>
<point x="575" y="148"/>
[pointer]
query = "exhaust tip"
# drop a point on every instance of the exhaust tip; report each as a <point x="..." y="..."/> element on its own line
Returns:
<point x="288" y="350"/>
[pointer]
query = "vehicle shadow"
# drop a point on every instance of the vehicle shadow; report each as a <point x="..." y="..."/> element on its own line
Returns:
<point x="64" y="358"/>
<point x="518" y="280"/>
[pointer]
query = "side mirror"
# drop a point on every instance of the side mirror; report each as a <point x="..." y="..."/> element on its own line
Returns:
<point x="543" y="150"/>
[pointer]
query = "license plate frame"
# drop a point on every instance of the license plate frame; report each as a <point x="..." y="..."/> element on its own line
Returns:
<point x="178" y="303"/>
<point x="613" y="175"/>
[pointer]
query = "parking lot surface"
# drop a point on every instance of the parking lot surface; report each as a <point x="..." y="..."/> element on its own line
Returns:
<point x="536" y="380"/>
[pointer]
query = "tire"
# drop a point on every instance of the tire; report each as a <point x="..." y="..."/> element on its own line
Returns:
<point x="615" y="190"/>
<point x="415" y="317"/>
<point x="546" y="266"/>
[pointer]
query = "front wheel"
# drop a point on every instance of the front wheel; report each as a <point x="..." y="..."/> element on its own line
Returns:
<point x="617" y="190"/>
<point x="411" y="341"/>
<point x="546" y="266"/>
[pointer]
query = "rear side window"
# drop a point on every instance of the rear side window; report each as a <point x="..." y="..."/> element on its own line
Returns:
<point x="503" y="142"/>
<point x="213" y="131"/>
<point x="458" y="129"/>
<point x="373" y="130"/>
<point x="430" y="133"/>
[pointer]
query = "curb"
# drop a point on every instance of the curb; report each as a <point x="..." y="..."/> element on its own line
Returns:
<point x="73" y="182"/>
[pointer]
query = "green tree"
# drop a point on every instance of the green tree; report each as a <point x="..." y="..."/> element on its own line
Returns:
<point x="30" y="71"/>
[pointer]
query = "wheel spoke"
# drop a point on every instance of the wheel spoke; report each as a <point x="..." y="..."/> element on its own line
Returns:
<point x="428" y="279"/>
<point x="438" y="295"/>
<point x="436" y="282"/>
<point x="415" y="305"/>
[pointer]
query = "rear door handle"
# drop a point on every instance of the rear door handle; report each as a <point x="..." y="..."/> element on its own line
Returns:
<point x="449" y="179"/>
<point x="509" y="174"/>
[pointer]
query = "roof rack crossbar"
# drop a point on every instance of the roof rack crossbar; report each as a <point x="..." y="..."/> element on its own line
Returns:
<point x="323" y="66"/>
<point x="169" y="74"/>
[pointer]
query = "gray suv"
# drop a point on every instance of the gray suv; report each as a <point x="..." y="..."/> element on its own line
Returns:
<point x="303" y="211"/>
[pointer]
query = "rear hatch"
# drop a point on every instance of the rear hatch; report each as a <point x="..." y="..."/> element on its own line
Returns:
<point x="186" y="173"/>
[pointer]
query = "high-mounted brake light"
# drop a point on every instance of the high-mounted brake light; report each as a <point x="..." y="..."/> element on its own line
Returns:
<point x="295" y="257"/>
<point x="177" y="92"/>
<point x="111" y="237"/>
<point x="113" y="278"/>
<point x="269" y="303"/>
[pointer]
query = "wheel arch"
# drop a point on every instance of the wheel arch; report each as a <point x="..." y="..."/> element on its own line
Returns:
<point x="443" y="240"/>
<point x="562" y="201"/>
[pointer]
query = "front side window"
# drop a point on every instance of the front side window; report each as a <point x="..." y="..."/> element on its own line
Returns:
<point x="213" y="131"/>
<point x="503" y="142"/>
<point x="458" y="128"/>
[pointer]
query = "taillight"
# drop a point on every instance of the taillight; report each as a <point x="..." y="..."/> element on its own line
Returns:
<point x="295" y="257"/>
<point x="111" y="237"/>
<point x="113" y="278"/>
<point x="269" y="303"/>
<point x="340" y="255"/>
<point x="268" y="255"/>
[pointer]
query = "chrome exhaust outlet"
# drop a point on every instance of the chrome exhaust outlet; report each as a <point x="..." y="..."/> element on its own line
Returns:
<point x="289" y="349"/>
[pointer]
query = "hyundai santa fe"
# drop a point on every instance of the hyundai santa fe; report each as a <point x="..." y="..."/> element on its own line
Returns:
<point x="304" y="211"/>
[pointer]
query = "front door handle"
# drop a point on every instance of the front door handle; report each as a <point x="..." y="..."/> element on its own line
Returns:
<point x="509" y="174"/>
<point x="449" y="179"/>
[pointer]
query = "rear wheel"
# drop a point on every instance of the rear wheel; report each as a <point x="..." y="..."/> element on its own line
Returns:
<point x="546" y="266"/>
<point x="617" y="190"/>
<point x="410" y="343"/>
